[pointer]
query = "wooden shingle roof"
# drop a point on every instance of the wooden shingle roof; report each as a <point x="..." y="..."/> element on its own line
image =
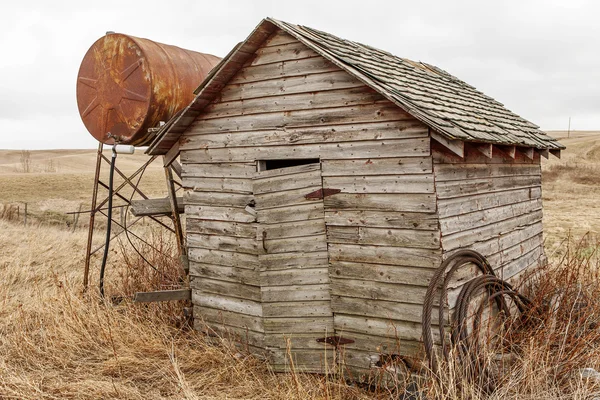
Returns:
<point x="449" y="106"/>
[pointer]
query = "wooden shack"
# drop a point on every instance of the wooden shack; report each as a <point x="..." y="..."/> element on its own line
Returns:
<point x="326" y="180"/>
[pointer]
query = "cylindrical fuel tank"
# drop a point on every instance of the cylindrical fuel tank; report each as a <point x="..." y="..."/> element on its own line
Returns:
<point x="128" y="84"/>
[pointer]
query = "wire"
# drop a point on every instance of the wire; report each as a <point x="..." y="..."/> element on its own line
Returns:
<point x="465" y="342"/>
<point x="109" y="216"/>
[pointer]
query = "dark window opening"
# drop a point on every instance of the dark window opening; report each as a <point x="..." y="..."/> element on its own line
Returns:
<point x="275" y="164"/>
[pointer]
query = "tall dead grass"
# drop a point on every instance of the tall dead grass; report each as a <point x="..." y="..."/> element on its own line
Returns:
<point x="56" y="343"/>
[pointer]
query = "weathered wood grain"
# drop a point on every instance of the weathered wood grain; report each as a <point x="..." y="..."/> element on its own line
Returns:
<point x="224" y="228"/>
<point x="383" y="236"/>
<point x="408" y="202"/>
<point x="220" y="213"/>
<point x="289" y="85"/>
<point x="403" y="129"/>
<point x="381" y="273"/>
<point x="226" y="288"/>
<point x="475" y="186"/>
<point x="233" y="306"/>
<point x="312" y="275"/>
<point x="378" y="166"/>
<point x="155" y="207"/>
<point x="382" y="219"/>
<point x="219" y="199"/>
<point x="470" y="203"/>
<point x="293" y="102"/>
<point x="488" y="216"/>
<point x="374" y="112"/>
<point x="381" y="183"/>
<point x="363" y="149"/>
<point x="243" y="274"/>
<point x="226" y="243"/>
<point x="409" y="257"/>
<point x="225" y="258"/>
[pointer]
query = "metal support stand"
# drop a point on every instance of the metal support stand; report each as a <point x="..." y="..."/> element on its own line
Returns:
<point x="128" y="181"/>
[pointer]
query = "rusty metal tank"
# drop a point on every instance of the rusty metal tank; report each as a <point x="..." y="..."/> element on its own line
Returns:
<point x="127" y="85"/>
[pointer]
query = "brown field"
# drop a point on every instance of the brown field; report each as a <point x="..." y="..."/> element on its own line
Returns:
<point x="56" y="343"/>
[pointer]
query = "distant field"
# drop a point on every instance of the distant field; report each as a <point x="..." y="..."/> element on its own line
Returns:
<point x="571" y="187"/>
<point x="59" y="181"/>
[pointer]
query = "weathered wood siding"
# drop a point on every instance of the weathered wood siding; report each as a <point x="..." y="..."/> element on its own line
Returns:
<point x="381" y="230"/>
<point x="492" y="205"/>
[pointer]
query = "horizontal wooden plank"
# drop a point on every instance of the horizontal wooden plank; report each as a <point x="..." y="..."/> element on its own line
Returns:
<point x="384" y="255"/>
<point x="295" y="244"/>
<point x="293" y="102"/>
<point x="216" y="318"/>
<point x="293" y="229"/>
<point x="279" y="37"/>
<point x="297" y="341"/>
<point x="286" y="182"/>
<point x="369" y="290"/>
<point x="279" y="85"/>
<point x="525" y="262"/>
<point x="226" y="258"/>
<point x="301" y="212"/>
<point x="284" y="261"/>
<point x="377" y="308"/>
<point x="298" y="309"/>
<point x="232" y="185"/>
<point x="248" y="276"/>
<point x="287" y="197"/>
<point x="378" y="327"/>
<point x="305" y="360"/>
<point x="507" y="240"/>
<point x="360" y="113"/>
<point x="363" y="149"/>
<point x="241" y="200"/>
<point x="228" y="289"/>
<point x="220" y="213"/>
<point x="381" y="184"/>
<point x="312" y="275"/>
<point x="226" y="243"/>
<point x="408" y="202"/>
<point x="155" y="207"/>
<point x="381" y="273"/>
<point x="451" y="172"/>
<point x="470" y="203"/>
<point x="241" y="307"/>
<point x="286" y="51"/>
<point x="319" y="325"/>
<point x="283" y="69"/>
<point x="383" y="236"/>
<point x="383" y="219"/>
<point x="162" y="295"/>
<point x="295" y="293"/>
<point x="378" y="166"/>
<point x="477" y="186"/>
<point x="484" y="233"/>
<point x="221" y="228"/>
<point x="488" y="216"/>
<point x="219" y="170"/>
<point x="402" y="129"/>
<point x="374" y="112"/>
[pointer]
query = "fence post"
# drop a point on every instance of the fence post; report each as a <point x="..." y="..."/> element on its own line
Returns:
<point x="25" y="211"/>
<point x="76" y="218"/>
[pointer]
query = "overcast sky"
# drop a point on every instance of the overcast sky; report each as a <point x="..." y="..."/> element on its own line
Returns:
<point x="540" y="58"/>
